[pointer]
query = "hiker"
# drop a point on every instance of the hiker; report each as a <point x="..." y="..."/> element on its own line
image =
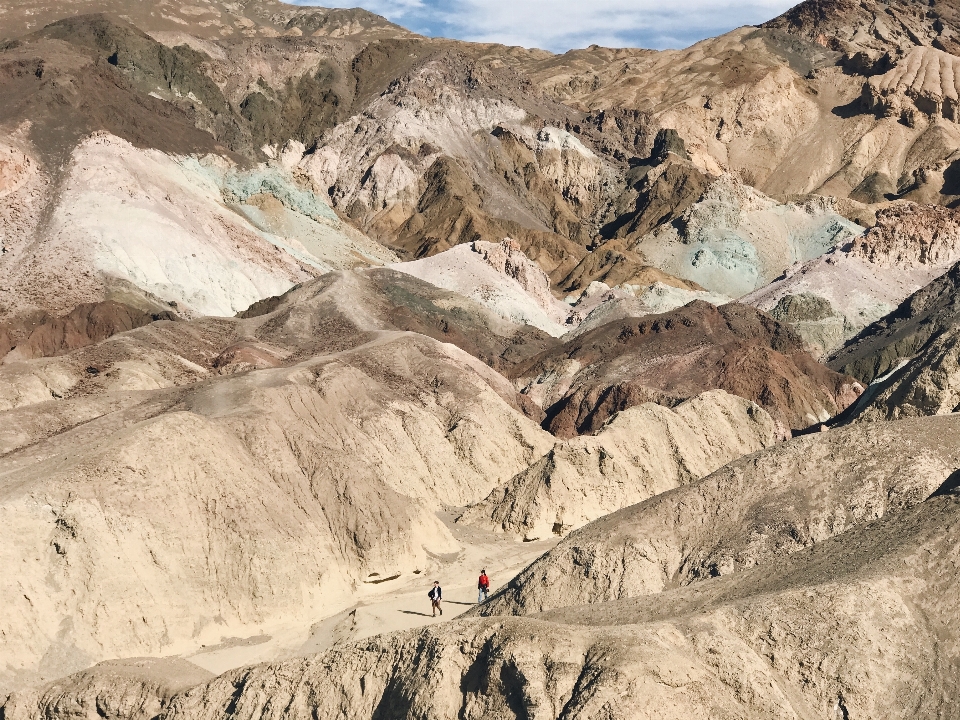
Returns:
<point x="435" y="595"/>
<point x="483" y="587"/>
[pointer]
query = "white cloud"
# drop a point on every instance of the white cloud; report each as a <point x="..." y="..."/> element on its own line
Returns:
<point x="559" y="25"/>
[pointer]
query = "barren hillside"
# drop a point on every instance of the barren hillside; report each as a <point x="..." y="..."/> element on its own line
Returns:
<point x="301" y="311"/>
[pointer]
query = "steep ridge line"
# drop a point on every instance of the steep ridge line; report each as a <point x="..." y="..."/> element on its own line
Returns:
<point x="751" y="513"/>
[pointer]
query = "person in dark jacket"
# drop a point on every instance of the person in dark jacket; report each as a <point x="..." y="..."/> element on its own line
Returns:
<point x="436" y="595"/>
<point x="483" y="587"/>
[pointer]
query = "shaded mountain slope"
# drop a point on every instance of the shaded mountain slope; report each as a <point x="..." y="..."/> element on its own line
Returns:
<point x="910" y="356"/>
<point x="923" y="317"/>
<point x="42" y="76"/>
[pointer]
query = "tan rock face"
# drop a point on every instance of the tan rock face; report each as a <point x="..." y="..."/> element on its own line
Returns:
<point x="911" y="235"/>
<point x="924" y="81"/>
<point x="15" y="169"/>
<point x="500" y="277"/>
<point x="641" y="452"/>
<point x="754" y="512"/>
<point x="507" y="258"/>
<point x="755" y="644"/>
<point x="137" y="689"/>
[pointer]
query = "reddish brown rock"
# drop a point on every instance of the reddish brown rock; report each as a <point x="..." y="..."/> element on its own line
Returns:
<point x="673" y="356"/>
<point x="42" y="335"/>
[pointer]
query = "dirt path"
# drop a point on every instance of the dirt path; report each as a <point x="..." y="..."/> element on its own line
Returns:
<point x="393" y="605"/>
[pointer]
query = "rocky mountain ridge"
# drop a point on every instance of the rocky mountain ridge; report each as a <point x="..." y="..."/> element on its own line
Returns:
<point x="300" y="311"/>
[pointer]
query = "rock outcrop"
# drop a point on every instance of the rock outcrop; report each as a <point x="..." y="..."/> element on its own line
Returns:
<point x="641" y="452"/>
<point x="752" y="513"/>
<point x="907" y="236"/>
<point x="924" y="81"/>
<point x="814" y="319"/>
<point x="600" y="304"/>
<point x="866" y="31"/>
<point x="132" y="689"/>
<point x="869" y="277"/>
<point x="673" y="356"/>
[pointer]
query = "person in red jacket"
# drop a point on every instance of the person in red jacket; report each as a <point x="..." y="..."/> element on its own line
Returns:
<point x="483" y="587"/>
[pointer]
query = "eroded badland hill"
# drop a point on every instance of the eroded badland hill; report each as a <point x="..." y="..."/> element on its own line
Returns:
<point x="301" y="311"/>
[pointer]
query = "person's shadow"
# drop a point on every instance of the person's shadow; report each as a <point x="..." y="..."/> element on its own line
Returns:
<point x="414" y="612"/>
<point x="457" y="602"/>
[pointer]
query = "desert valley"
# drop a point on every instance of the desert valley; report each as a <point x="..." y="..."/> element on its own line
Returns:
<point x="301" y="311"/>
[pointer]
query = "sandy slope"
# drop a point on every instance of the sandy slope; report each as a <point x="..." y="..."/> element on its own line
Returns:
<point x="753" y="512"/>
<point x="861" y="625"/>
<point x="241" y="501"/>
<point x="641" y="452"/>
<point x="387" y="606"/>
<point x="203" y="234"/>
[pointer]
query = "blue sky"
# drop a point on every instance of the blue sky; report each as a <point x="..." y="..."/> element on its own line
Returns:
<point x="559" y="25"/>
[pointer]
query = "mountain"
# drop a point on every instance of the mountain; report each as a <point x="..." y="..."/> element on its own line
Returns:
<point x="830" y="299"/>
<point x="673" y="356"/>
<point x="908" y="356"/>
<point x="301" y="311"/>
<point x="753" y="512"/>
<point x="873" y="604"/>
<point x="216" y="20"/>
<point x="642" y="451"/>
